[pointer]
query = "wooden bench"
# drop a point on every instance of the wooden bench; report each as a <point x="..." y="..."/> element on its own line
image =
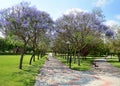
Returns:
<point x="47" y="58"/>
<point x="94" y="63"/>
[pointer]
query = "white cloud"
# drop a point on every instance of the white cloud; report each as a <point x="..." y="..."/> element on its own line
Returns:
<point x="111" y="23"/>
<point x="114" y="25"/>
<point x="1" y="35"/>
<point x="74" y="10"/>
<point x="100" y="3"/>
<point x="117" y="16"/>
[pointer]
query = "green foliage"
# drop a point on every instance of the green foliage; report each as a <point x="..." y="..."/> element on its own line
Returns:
<point x="100" y="49"/>
<point x="8" y="43"/>
<point x="114" y="43"/>
<point x="2" y="45"/>
<point x="10" y="75"/>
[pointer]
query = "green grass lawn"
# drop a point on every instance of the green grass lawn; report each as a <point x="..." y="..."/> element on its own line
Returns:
<point x="114" y="61"/>
<point x="10" y="75"/>
<point x="85" y="64"/>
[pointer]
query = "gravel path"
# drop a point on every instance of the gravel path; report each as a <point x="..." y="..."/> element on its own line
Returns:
<point x="54" y="73"/>
<point x="106" y="74"/>
<point x="105" y="68"/>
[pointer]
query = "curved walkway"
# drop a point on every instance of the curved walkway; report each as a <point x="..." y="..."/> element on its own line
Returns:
<point x="105" y="68"/>
<point x="54" y="73"/>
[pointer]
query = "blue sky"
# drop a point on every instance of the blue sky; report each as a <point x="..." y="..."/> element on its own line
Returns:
<point x="56" y="8"/>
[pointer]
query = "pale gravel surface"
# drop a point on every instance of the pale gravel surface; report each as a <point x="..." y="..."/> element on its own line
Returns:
<point x="108" y="75"/>
<point x="105" y="81"/>
<point x="54" y="73"/>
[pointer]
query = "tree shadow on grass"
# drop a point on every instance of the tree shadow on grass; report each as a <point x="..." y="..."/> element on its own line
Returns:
<point x="24" y="77"/>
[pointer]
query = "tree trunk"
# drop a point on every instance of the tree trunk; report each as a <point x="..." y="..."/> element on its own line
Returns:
<point x="31" y="58"/>
<point x="119" y="57"/>
<point x="34" y="57"/>
<point x="65" y="55"/>
<point x="22" y="56"/>
<point x="78" y="59"/>
<point x="55" y="53"/>
<point x="68" y="58"/>
<point x="38" y="56"/>
<point x="74" y="57"/>
<point x="84" y="57"/>
<point x="21" y="61"/>
<point x="41" y="55"/>
<point x="70" y="61"/>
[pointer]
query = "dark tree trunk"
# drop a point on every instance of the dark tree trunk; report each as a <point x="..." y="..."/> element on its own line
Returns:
<point x="70" y="61"/>
<point x="55" y="53"/>
<point x="119" y="57"/>
<point x="68" y="58"/>
<point x="74" y="57"/>
<point x="21" y="61"/>
<point x="65" y="55"/>
<point x="34" y="47"/>
<point x="84" y="57"/>
<point x="41" y="55"/>
<point x="34" y="57"/>
<point x="31" y="58"/>
<point x="78" y="59"/>
<point x="22" y="56"/>
<point x="38" y="56"/>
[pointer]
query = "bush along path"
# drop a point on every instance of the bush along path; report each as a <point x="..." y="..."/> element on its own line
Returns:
<point x="54" y="73"/>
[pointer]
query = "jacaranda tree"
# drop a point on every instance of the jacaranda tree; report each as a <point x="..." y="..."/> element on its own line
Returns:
<point x="82" y="29"/>
<point x="26" y="22"/>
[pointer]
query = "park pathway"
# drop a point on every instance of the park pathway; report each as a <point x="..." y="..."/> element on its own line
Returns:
<point x="105" y="68"/>
<point x="54" y="73"/>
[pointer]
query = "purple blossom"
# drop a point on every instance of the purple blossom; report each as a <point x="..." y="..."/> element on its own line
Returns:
<point x="109" y="33"/>
<point x="24" y="19"/>
<point x="25" y="24"/>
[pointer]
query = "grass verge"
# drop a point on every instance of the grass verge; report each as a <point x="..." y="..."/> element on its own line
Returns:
<point x="114" y="61"/>
<point x="10" y="75"/>
<point x="84" y="64"/>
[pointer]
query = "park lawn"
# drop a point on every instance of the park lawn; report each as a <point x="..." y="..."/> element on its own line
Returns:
<point x="114" y="61"/>
<point x="84" y="65"/>
<point x="11" y="75"/>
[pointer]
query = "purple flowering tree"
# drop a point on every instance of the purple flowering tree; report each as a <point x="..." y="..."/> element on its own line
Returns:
<point x="110" y="33"/>
<point x="27" y="23"/>
<point x="82" y="29"/>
